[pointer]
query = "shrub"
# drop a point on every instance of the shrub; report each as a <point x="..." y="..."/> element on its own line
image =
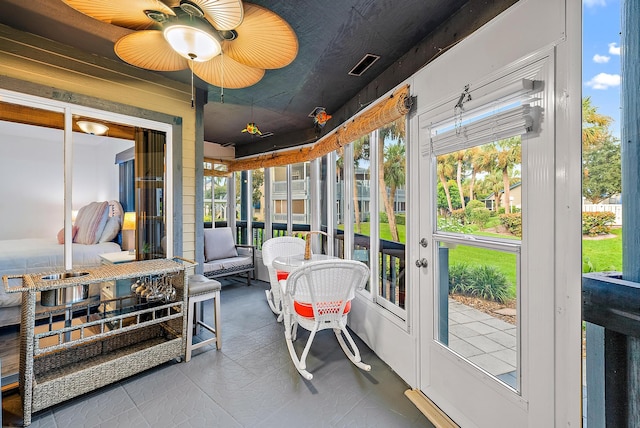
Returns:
<point x="401" y="219"/>
<point x="480" y="216"/>
<point x="597" y="223"/>
<point x="471" y="205"/>
<point x="513" y="223"/>
<point x="459" y="215"/>
<point x="450" y="224"/>
<point x="383" y="217"/>
<point x="501" y="210"/>
<point x="484" y="281"/>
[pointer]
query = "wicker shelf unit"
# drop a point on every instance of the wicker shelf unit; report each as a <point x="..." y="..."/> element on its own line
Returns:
<point x="61" y="360"/>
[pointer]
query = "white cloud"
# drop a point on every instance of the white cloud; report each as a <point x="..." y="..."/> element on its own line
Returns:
<point x="614" y="49"/>
<point x="604" y="81"/>
<point x="601" y="59"/>
<point x="593" y="3"/>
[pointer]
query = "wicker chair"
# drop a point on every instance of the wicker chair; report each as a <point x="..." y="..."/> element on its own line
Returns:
<point x="277" y="247"/>
<point x="318" y="296"/>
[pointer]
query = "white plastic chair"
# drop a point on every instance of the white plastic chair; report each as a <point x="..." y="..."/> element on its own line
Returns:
<point x="318" y="296"/>
<point x="277" y="247"/>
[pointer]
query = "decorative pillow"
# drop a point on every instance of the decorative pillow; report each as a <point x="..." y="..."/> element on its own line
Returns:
<point x="74" y="232"/>
<point x="111" y="229"/>
<point x="115" y="209"/>
<point x="219" y="244"/>
<point x="91" y="220"/>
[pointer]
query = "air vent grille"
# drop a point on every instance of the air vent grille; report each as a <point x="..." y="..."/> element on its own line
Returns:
<point x="364" y="64"/>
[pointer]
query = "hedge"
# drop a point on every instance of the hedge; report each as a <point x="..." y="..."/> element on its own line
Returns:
<point x="597" y="223"/>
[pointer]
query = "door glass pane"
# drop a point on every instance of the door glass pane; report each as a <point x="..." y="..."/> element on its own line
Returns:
<point x="392" y="173"/>
<point x="479" y="193"/>
<point x="32" y="159"/>
<point x="361" y="182"/>
<point x="215" y="194"/>
<point x="477" y="307"/>
<point x="257" y="206"/>
<point x="338" y="205"/>
<point x="150" y="148"/>
<point x="301" y="196"/>
<point x="279" y="200"/>
<point x="477" y="186"/>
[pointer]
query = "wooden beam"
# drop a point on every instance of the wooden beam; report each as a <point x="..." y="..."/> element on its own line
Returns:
<point x="380" y="114"/>
<point x="49" y="119"/>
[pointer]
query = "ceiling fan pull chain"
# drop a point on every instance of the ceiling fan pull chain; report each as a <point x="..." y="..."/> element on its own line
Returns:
<point x="192" y="104"/>
<point x="222" y="77"/>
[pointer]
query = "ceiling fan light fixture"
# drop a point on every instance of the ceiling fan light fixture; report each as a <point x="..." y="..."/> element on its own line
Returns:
<point x="195" y="42"/>
<point x="93" y="128"/>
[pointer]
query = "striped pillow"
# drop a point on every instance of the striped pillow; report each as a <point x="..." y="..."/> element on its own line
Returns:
<point x="90" y="221"/>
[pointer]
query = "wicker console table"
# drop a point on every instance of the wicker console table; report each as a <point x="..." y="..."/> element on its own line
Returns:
<point x="62" y="360"/>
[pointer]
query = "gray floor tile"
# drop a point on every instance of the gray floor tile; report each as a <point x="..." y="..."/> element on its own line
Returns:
<point x="250" y="382"/>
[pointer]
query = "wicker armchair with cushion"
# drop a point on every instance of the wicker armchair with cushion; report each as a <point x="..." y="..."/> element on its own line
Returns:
<point x="222" y="257"/>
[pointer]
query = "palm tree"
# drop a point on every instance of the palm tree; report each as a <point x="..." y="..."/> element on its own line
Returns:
<point x="394" y="167"/>
<point x="445" y="170"/>
<point x="394" y="131"/>
<point x="460" y="158"/>
<point x="507" y="155"/>
<point x="474" y="157"/>
<point x="595" y="126"/>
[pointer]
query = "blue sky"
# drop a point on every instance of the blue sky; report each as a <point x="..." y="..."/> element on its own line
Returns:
<point x="601" y="57"/>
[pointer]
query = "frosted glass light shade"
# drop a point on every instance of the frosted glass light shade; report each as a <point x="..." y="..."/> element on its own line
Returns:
<point x="192" y="43"/>
<point x="93" y="128"/>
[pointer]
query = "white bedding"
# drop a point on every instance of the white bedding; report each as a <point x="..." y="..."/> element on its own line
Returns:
<point x="20" y="256"/>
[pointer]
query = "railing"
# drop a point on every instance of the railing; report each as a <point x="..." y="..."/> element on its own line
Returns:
<point x="391" y="256"/>
<point x="611" y="309"/>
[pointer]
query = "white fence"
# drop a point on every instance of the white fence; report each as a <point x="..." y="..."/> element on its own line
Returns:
<point x="614" y="208"/>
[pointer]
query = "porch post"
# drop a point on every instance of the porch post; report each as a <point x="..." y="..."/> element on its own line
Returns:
<point x="630" y="139"/>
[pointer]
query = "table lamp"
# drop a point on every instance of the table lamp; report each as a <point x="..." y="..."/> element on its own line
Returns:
<point x="129" y="231"/>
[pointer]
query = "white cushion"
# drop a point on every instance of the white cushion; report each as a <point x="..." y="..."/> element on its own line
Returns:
<point x="219" y="244"/>
<point x="111" y="229"/>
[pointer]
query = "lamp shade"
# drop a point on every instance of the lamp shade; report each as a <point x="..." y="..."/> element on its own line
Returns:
<point x="129" y="222"/>
<point x="192" y="41"/>
<point x="93" y="128"/>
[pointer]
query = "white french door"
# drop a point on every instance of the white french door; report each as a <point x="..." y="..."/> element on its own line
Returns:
<point x="481" y="368"/>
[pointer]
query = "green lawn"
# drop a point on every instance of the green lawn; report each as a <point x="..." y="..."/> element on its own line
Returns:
<point x="602" y="254"/>
<point x="597" y="254"/>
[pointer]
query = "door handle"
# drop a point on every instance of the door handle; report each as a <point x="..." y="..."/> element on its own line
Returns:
<point x="422" y="263"/>
<point x="424" y="242"/>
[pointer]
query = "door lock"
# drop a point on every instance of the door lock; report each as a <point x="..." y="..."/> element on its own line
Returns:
<point x="424" y="242"/>
<point x="422" y="263"/>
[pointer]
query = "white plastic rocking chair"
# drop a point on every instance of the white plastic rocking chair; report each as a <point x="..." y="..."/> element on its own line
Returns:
<point x="278" y="247"/>
<point x="318" y="297"/>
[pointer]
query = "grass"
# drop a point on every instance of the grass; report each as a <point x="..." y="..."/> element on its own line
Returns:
<point x="602" y="254"/>
<point x="597" y="254"/>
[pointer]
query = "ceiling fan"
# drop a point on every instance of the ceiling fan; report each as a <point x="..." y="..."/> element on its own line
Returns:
<point x="224" y="42"/>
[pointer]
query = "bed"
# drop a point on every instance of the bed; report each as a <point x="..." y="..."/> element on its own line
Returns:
<point x="96" y="232"/>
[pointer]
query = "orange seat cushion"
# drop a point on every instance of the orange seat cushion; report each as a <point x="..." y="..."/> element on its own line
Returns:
<point x="306" y="310"/>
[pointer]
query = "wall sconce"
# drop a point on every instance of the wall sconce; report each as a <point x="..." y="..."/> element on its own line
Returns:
<point x="93" y="128"/>
<point x="129" y="231"/>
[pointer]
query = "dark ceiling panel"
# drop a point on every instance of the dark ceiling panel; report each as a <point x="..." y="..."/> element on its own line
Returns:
<point x="332" y="36"/>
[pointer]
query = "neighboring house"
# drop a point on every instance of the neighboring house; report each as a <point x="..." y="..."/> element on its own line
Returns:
<point x="515" y="199"/>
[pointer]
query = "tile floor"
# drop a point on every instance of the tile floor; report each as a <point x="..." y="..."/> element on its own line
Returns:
<point x="250" y="382"/>
<point x="486" y="341"/>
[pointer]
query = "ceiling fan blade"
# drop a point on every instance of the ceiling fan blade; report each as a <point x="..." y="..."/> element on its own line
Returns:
<point x="227" y="73"/>
<point x="265" y="40"/>
<point x="222" y="14"/>
<point x="149" y="49"/>
<point x="123" y="13"/>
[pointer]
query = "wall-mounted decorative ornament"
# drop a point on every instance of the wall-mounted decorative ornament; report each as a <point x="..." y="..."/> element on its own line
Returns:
<point x="320" y="118"/>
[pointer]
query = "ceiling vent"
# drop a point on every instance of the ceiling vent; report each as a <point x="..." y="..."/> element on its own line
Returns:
<point x="364" y="64"/>
<point x="266" y="134"/>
